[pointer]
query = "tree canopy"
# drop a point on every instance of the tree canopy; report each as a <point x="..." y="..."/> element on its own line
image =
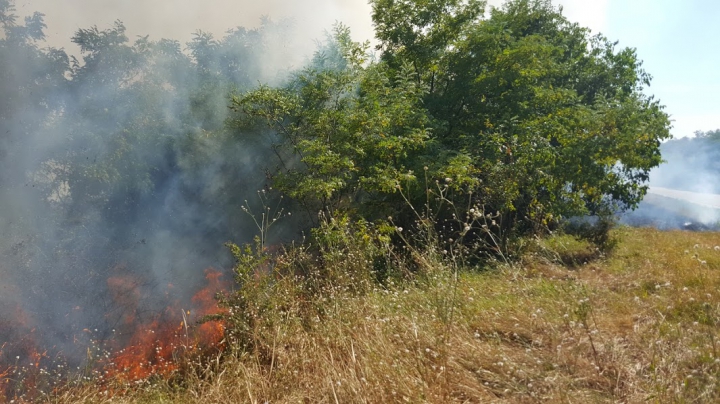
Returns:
<point x="513" y="110"/>
<point x="519" y="112"/>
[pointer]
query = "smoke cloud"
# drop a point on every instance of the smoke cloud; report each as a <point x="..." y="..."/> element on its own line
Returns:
<point x="684" y="189"/>
<point x="178" y="19"/>
<point x="119" y="178"/>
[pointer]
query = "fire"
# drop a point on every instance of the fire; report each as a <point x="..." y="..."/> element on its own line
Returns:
<point x="142" y="345"/>
<point x="213" y="331"/>
<point x="4" y="373"/>
<point x="154" y="346"/>
<point x="149" y="352"/>
<point x="125" y="292"/>
<point x="19" y="355"/>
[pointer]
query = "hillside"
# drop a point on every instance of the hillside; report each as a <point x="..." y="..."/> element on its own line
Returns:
<point x="638" y="325"/>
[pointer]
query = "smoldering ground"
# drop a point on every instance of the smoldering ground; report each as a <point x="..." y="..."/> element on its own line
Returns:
<point x="120" y="179"/>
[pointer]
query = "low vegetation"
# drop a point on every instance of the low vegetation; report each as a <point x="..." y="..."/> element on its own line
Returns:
<point x="639" y="324"/>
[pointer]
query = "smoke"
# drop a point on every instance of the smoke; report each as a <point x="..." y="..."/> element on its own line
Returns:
<point x="179" y="19"/>
<point x="119" y="178"/>
<point x="684" y="189"/>
<point x="691" y="164"/>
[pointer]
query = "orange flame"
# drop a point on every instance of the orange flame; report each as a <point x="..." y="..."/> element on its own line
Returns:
<point x="210" y="332"/>
<point x="21" y="354"/>
<point x="142" y="347"/>
<point x="153" y="347"/>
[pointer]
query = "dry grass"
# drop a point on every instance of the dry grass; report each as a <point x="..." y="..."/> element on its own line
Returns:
<point x="638" y="326"/>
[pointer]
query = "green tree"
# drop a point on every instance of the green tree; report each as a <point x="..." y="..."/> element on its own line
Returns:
<point x="345" y="135"/>
<point x="420" y="32"/>
<point x="553" y="121"/>
<point x="32" y="84"/>
<point x="521" y="113"/>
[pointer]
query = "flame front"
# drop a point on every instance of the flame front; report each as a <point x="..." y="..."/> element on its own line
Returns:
<point x="139" y="347"/>
<point x="154" y="347"/>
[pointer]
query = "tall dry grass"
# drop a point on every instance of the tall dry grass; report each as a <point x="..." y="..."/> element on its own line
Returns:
<point x="639" y="325"/>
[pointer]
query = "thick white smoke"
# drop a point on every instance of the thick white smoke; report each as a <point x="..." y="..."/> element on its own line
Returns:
<point x="119" y="179"/>
<point x="178" y="19"/>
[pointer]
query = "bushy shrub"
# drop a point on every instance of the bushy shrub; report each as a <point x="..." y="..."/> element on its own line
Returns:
<point x="341" y="260"/>
<point x="521" y="113"/>
<point x="597" y="229"/>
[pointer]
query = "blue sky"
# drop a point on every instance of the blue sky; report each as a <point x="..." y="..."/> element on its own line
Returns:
<point x="678" y="40"/>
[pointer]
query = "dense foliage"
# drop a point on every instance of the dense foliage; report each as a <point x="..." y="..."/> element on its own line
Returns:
<point x="520" y="113"/>
<point x="517" y="112"/>
<point x="494" y="121"/>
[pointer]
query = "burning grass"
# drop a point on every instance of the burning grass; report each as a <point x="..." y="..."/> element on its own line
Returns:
<point x="640" y="325"/>
<point x="142" y="347"/>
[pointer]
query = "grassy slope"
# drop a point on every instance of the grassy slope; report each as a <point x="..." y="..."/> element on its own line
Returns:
<point x="638" y="326"/>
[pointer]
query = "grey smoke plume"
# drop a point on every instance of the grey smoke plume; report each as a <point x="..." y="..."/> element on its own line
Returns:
<point x="684" y="189"/>
<point x="179" y="19"/>
<point x="119" y="180"/>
